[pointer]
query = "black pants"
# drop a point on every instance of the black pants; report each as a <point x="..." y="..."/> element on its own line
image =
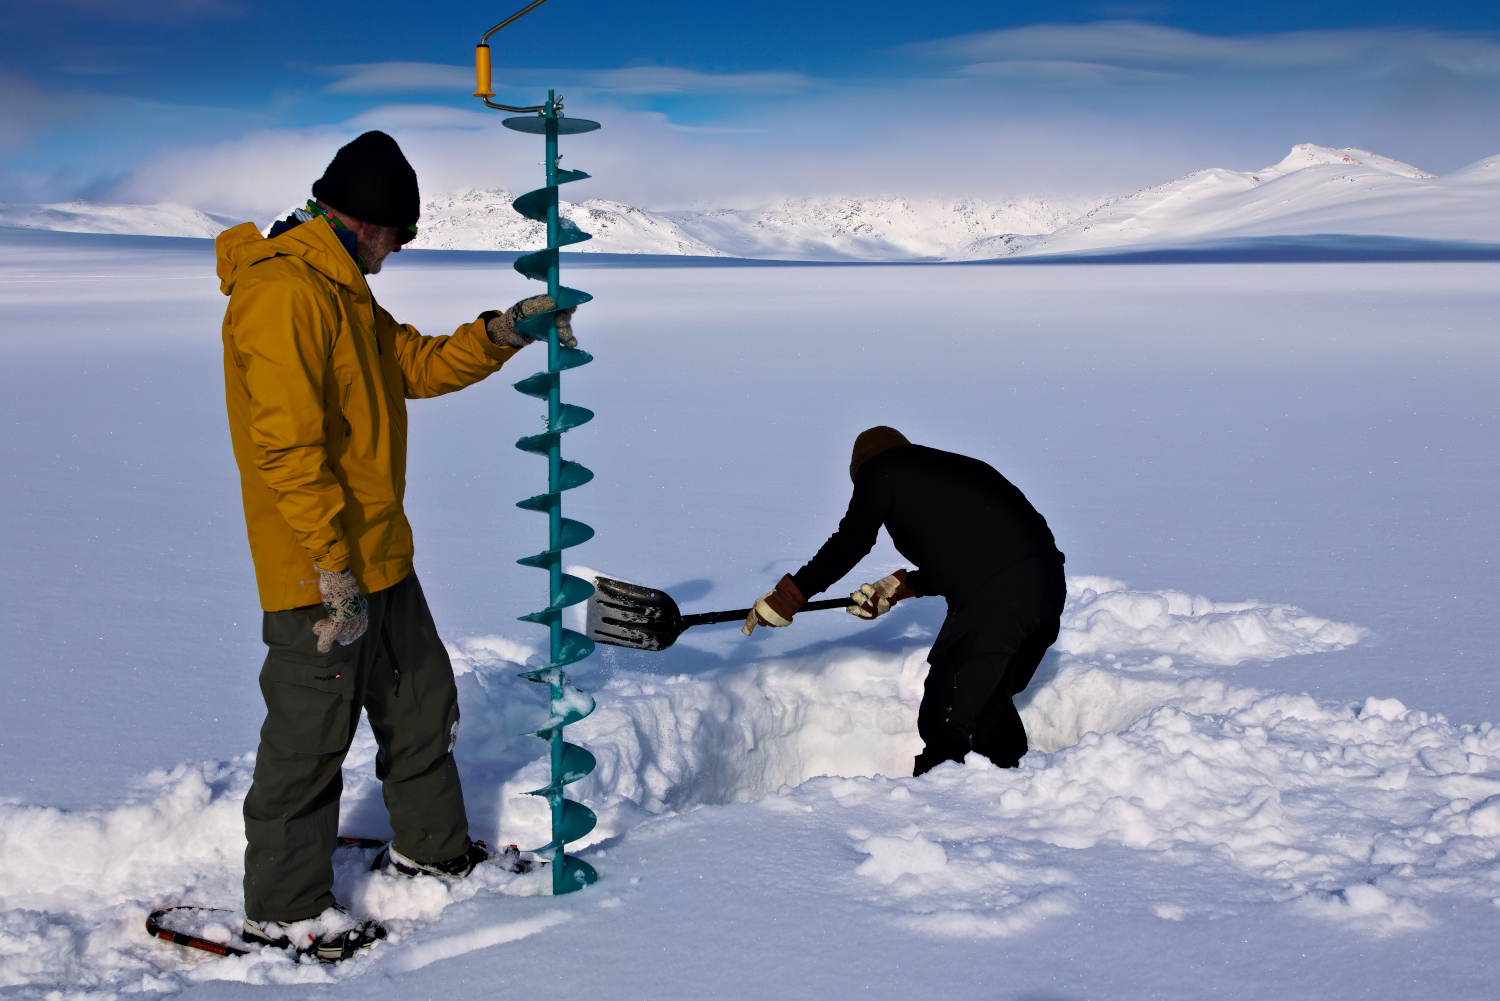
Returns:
<point x="399" y="673"/>
<point x="985" y="654"/>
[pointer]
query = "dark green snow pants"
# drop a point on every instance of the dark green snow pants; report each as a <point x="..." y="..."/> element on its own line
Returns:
<point x="399" y="673"/>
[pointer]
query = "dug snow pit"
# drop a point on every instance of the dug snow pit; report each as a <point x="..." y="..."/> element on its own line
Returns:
<point x="664" y="745"/>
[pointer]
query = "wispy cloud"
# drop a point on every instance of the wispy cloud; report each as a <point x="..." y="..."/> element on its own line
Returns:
<point x="1068" y="72"/>
<point x="438" y="78"/>
<point x="671" y="80"/>
<point x="1140" y="45"/>
<point x="400" y="78"/>
<point x="26" y="111"/>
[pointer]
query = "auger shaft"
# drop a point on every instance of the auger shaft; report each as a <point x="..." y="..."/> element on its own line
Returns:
<point x="554" y="474"/>
<point x="568" y="704"/>
<point x="554" y="391"/>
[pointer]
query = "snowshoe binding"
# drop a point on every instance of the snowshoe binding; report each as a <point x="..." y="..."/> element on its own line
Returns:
<point x="455" y="868"/>
<point x="331" y="937"/>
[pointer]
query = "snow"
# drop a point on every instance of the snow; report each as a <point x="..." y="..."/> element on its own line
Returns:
<point x="93" y="217"/>
<point x="827" y="229"/>
<point x="482" y="219"/>
<point x="1108" y="617"/>
<point x="885" y="228"/>
<point x="1263" y="755"/>
<point x="1314" y="191"/>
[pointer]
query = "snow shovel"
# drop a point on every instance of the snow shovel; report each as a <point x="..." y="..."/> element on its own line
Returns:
<point x="643" y="618"/>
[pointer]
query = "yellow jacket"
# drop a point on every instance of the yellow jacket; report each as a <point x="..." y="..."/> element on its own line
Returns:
<point x="316" y="376"/>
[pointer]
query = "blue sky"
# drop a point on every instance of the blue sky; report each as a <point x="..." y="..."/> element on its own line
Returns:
<point x="233" y="106"/>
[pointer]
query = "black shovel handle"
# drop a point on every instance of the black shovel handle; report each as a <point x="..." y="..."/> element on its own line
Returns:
<point x="740" y="614"/>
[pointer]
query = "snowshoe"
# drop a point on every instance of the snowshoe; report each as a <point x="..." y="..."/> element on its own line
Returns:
<point x="456" y="868"/>
<point x="192" y="927"/>
<point x="331" y="937"/>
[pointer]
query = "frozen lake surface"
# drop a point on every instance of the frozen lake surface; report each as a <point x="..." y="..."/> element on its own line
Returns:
<point x="1263" y="762"/>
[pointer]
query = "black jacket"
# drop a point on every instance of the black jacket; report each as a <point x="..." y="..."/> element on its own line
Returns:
<point x="956" y="518"/>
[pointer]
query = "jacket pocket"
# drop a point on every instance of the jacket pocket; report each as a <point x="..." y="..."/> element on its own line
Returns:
<point x="344" y="392"/>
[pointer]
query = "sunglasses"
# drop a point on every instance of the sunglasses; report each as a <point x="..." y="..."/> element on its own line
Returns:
<point x="405" y="235"/>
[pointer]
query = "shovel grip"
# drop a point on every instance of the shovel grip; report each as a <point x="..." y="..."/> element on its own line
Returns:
<point x="740" y="614"/>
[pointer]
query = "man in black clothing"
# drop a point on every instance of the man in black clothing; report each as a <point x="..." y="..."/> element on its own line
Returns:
<point x="976" y="541"/>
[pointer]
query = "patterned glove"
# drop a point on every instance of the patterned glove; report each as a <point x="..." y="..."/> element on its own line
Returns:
<point x="874" y="600"/>
<point x="776" y="607"/>
<point x="348" y="611"/>
<point x="502" y="326"/>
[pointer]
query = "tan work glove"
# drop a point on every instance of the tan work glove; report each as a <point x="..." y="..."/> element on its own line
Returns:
<point x="502" y="326"/>
<point x="874" y="600"/>
<point x="776" y="607"/>
<point x="348" y="611"/>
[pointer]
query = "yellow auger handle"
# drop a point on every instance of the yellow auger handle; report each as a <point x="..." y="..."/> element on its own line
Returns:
<point x="482" y="71"/>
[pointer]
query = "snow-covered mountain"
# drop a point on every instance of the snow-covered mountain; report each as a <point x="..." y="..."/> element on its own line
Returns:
<point x="1315" y="190"/>
<point x="95" y="217"/>
<point x="482" y="219"/>
<point x="886" y="228"/>
<point x="869" y="229"/>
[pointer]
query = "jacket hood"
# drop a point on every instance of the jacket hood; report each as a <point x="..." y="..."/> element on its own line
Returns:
<point x="314" y="242"/>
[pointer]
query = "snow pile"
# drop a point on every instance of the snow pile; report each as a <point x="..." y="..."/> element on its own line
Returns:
<point x="1357" y="815"/>
<point x="1313" y="191"/>
<point x="75" y="890"/>
<point x="1104" y="616"/>
<point x="1360" y="815"/>
<point x="96" y="217"/>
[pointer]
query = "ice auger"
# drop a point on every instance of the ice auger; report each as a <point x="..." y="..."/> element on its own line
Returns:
<point x="568" y="704"/>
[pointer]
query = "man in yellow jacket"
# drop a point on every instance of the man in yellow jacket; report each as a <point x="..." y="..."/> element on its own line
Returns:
<point x="317" y="376"/>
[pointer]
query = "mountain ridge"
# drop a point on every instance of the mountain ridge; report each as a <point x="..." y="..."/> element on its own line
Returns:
<point x="1313" y="191"/>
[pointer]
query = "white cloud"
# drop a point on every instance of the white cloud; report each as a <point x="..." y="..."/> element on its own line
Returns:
<point x="1143" y="45"/>
<point x="251" y="177"/>
<point x="440" y="78"/>
<point x="26" y="111"/>
<point x="1064" y="71"/>
<point x="400" y="78"/>
<point x="671" y="80"/>
<point x="422" y="116"/>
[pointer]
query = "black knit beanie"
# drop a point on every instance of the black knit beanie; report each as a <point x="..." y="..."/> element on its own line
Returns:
<point x="370" y="180"/>
<point x="871" y="443"/>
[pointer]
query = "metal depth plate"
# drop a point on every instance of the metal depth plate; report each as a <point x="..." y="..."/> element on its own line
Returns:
<point x="537" y="125"/>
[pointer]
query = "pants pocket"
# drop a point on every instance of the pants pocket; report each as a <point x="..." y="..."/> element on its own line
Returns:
<point x="310" y="706"/>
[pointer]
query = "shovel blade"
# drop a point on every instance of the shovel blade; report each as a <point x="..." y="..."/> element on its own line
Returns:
<point x="630" y="615"/>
